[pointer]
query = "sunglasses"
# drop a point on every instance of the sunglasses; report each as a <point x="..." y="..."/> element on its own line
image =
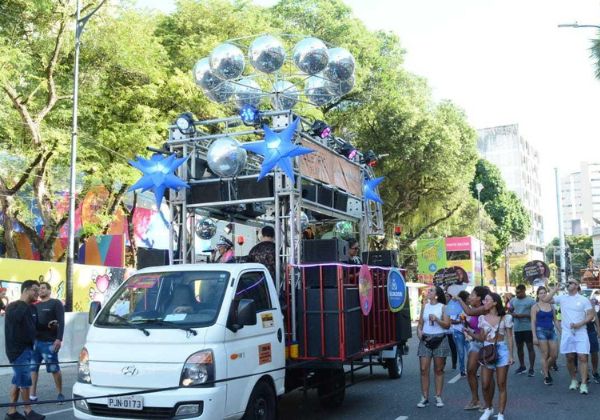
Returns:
<point x="572" y="282"/>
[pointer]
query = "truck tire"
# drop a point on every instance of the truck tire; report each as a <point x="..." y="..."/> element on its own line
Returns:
<point x="262" y="404"/>
<point x="395" y="366"/>
<point x="332" y="387"/>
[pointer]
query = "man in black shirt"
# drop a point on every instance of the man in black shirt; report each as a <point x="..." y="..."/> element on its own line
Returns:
<point x="264" y="251"/>
<point x="48" y="340"/>
<point x="19" y="334"/>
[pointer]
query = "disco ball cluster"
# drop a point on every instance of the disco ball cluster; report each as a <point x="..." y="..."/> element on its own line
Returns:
<point x="327" y="73"/>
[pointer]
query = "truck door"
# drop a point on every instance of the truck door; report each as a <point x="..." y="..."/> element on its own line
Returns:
<point x="254" y="348"/>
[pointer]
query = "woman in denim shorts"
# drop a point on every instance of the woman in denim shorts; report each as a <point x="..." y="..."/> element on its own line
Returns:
<point x="494" y="328"/>
<point x="543" y="322"/>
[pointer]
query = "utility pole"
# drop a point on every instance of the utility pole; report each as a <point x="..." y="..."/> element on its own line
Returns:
<point x="561" y="236"/>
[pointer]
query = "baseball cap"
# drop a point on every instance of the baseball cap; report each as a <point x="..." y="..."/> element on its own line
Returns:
<point x="223" y="241"/>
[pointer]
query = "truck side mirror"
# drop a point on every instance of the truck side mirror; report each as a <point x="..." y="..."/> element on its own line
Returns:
<point x="243" y="313"/>
<point x="94" y="309"/>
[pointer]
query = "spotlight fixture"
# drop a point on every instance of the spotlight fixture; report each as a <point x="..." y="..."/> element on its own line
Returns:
<point x="185" y="123"/>
<point x="321" y="129"/>
<point x="228" y="228"/>
<point x="397" y="231"/>
<point x="348" y="150"/>
<point x="250" y="115"/>
<point x="370" y="158"/>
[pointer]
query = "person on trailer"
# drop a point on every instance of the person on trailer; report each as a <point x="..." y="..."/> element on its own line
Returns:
<point x="353" y="251"/>
<point x="433" y="343"/>
<point x="264" y="251"/>
<point x="225" y="253"/>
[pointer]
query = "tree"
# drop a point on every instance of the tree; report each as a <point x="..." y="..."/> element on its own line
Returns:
<point x="512" y="222"/>
<point x="120" y="76"/>
<point x="579" y="251"/>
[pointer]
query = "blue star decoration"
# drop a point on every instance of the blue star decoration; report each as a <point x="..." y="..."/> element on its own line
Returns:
<point x="277" y="149"/>
<point x="370" y="189"/>
<point x="158" y="175"/>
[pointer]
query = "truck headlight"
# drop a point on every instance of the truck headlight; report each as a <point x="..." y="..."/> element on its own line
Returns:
<point x="83" y="367"/>
<point x="198" y="369"/>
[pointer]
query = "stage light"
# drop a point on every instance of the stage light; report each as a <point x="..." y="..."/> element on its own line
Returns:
<point x="185" y="123"/>
<point x="370" y="158"/>
<point x="348" y="150"/>
<point x="250" y="115"/>
<point x="397" y="231"/>
<point x="321" y="129"/>
<point x="241" y="240"/>
<point x="228" y="228"/>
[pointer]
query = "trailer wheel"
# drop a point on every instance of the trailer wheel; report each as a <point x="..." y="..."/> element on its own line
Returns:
<point x="262" y="404"/>
<point x="395" y="366"/>
<point x="332" y="387"/>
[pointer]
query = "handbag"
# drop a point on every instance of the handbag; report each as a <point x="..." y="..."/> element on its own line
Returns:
<point x="432" y="342"/>
<point x="488" y="354"/>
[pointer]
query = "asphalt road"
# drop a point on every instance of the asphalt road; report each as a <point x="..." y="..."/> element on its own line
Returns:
<point x="378" y="397"/>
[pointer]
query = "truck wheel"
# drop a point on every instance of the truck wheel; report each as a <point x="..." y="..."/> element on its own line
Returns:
<point x="332" y="387"/>
<point x="262" y="404"/>
<point x="395" y="365"/>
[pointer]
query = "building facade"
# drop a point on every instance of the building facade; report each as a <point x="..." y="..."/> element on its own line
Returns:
<point x="581" y="199"/>
<point x="519" y="164"/>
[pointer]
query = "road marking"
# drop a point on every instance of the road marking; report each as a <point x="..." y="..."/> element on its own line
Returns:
<point x="402" y="418"/>
<point x="455" y="379"/>
<point x="57" y="412"/>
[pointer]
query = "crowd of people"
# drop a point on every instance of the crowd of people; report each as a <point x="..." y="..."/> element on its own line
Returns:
<point x="33" y="329"/>
<point x="479" y="330"/>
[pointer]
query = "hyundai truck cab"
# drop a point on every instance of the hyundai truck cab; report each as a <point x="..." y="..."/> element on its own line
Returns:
<point x="202" y="341"/>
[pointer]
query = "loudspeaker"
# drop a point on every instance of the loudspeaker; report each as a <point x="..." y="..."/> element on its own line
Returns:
<point x="312" y="276"/>
<point x="324" y="196"/>
<point x="403" y="327"/>
<point x="207" y="192"/>
<point x="309" y="191"/>
<point x="385" y="258"/>
<point x="248" y="188"/>
<point x="255" y="209"/>
<point x="329" y="331"/>
<point x="151" y="257"/>
<point x="324" y="250"/>
<point x="340" y="201"/>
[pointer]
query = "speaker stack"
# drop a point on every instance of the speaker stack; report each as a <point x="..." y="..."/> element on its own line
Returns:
<point x="385" y="258"/>
<point x="322" y="251"/>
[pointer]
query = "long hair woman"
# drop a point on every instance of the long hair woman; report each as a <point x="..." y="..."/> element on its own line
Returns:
<point x="494" y="328"/>
<point x="433" y="343"/>
<point x="473" y="310"/>
<point x="543" y="322"/>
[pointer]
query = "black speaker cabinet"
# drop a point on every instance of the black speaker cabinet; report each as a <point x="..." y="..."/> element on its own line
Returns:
<point x="325" y="196"/>
<point x="248" y="188"/>
<point x="209" y="192"/>
<point x="309" y="191"/>
<point x="312" y="276"/>
<point x="325" y="325"/>
<point x="385" y="258"/>
<point x="151" y="257"/>
<point x="403" y="327"/>
<point x="324" y="250"/>
<point x="340" y="201"/>
<point x="239" y="189"/>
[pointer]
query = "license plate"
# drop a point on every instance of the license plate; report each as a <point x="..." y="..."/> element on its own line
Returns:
<point x="126" y="403"/>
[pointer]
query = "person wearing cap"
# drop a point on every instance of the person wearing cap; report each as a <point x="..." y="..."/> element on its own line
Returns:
<point x="576" y="312"/>
<point x="225" y="252"/>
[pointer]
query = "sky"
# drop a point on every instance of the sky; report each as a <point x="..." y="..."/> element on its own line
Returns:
<point x="502" y="62"/>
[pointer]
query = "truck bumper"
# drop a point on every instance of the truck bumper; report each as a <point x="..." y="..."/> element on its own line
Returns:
<point x="209" y="403"/>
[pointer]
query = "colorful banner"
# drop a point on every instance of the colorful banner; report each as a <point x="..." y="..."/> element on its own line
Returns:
<point x="365" y="289"/>
<point x="396" y="290"/>
<point x="90" y="283"/>
<point x="431" y="256"/>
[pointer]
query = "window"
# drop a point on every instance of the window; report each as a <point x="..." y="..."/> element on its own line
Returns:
<point x="254" y="286"/>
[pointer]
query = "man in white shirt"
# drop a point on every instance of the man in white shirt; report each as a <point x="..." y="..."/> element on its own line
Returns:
<point x="576" y="311"/>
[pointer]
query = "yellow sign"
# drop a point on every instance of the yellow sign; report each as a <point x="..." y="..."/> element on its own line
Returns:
<point x="90" y="282"/>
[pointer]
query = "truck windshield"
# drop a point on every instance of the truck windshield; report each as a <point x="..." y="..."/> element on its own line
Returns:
<point x="166" y="300"/>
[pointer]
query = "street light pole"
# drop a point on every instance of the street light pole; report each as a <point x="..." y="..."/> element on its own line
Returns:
<point x="479" y="187"/>
<point x="577" y="25"/>
<point x="79" y="26"/>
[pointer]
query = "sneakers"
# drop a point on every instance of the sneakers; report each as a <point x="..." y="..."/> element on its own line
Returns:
<point x="500" y="416"/>
<point x="531" y="373"/>
<point x="438" y="402"/>
<point x="32" y="415"/>
<point x="423" y="403"/>
<point x="555" y="367"/>
<point x="463" y="374"/>
<point x="583" y="389"/>
<point x="472" y="406"/>
<point x="487" y="414"/>
<point x="14" y="416"/>
<point x="596" y="377"/>
<point x="548" y="380"/>
<point x="33" y="398"/>
<point x="574" y="385"/>
<point x="522" y="369"/>
<point x="61" y="399"/>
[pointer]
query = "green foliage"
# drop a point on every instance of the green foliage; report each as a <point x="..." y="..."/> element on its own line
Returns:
<point x="579" y="251"/>
<point x="516" y="275"/>
<point x="512" y="222"/>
